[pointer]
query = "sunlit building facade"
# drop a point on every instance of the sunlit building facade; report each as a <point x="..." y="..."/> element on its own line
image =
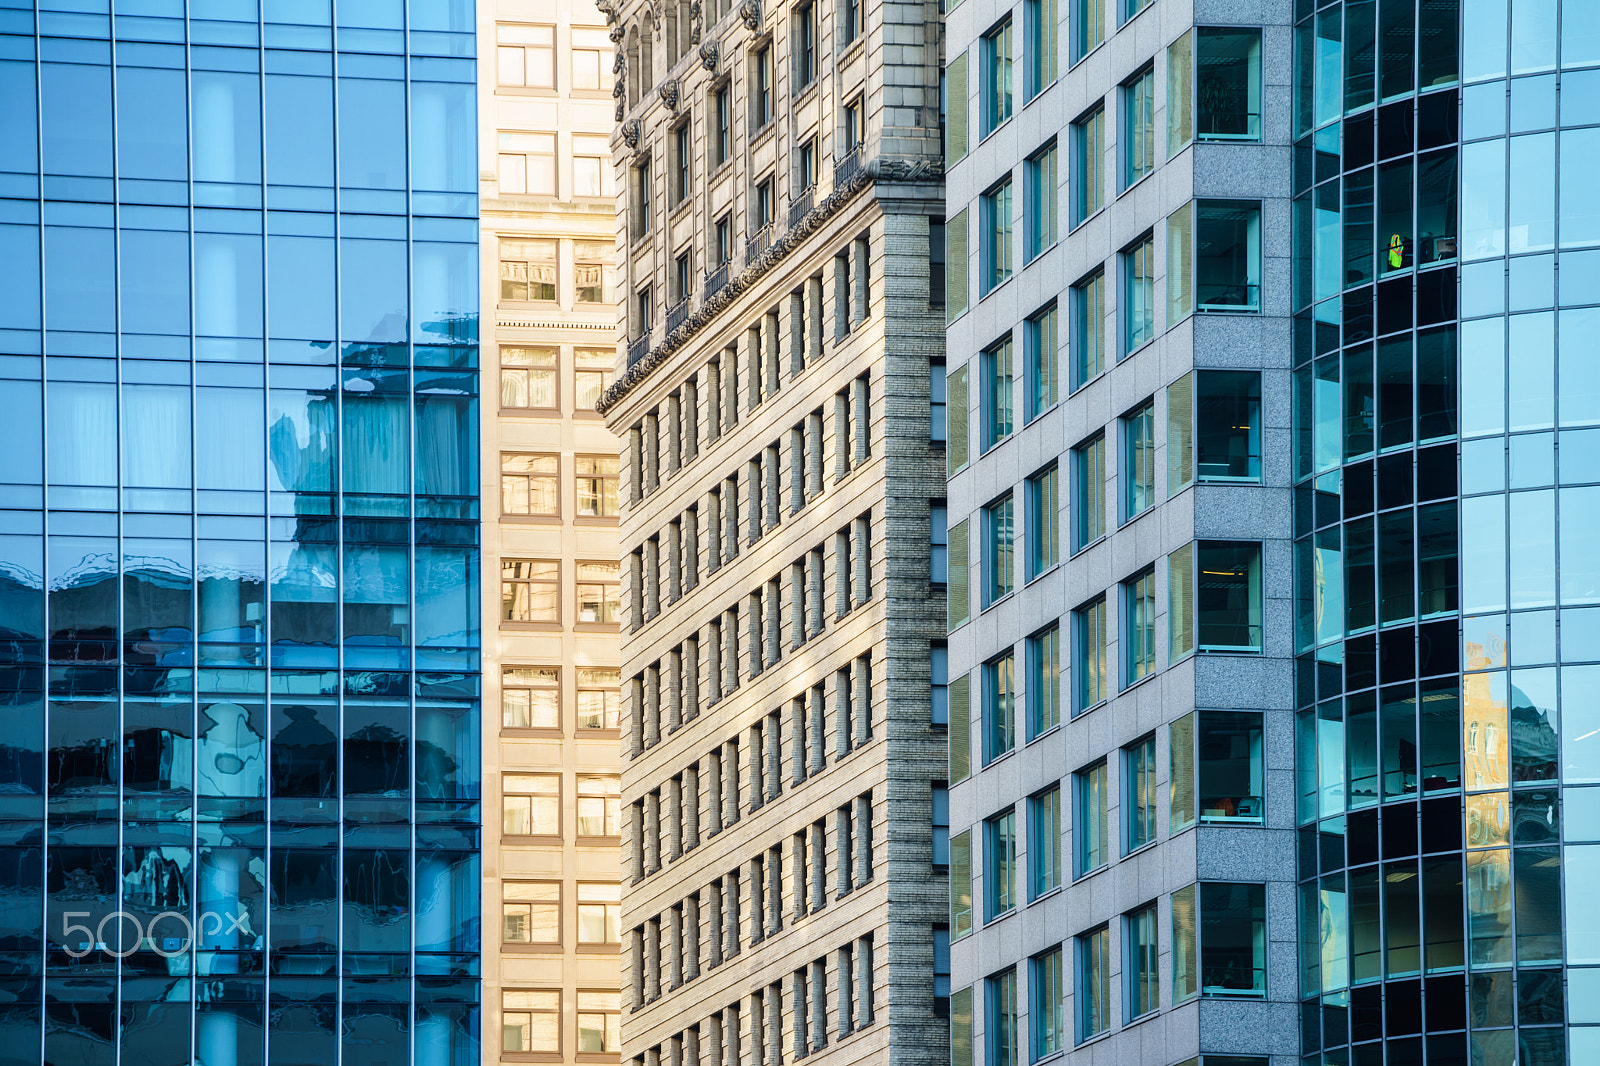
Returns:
<point x="239" y="537"/>
<point x="551" y="869"/>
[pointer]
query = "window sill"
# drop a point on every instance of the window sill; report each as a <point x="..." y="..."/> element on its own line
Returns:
<point x="1002" y="916"/>
<point x="1041" y="735"/>
<point x="1047" y="571"/>
<point x="989" y="605"/>
<point x="1087" y="545"/>
<point x="595" y="520"/>
<point x="545" y="841"/>
<point x="1085" y="383"/>
<point x="531" y="734"/>
<point x="531" y="412"/>
<point x="511" y="626"/>
<point x="1141" y="849"/>
<point x="597" y="734"/>
<point x="530" y="519"/>
<point x="855" y="44"/>
<point x="998" y="759"/>
<point x="598" y="949"/>
<point x="1095" y="706"/>
<point x="1132" y="185"/>
<point x="1002" y="124"/>
<point x="1131" y="519"/>
<point x="531" y="949"/>
<point x="598" y="842"/>
<point x="1086" y="219"/>
<point x="527" y="90"/>
<point x="1130" y="686"/>
<point x="1056" y="891"/>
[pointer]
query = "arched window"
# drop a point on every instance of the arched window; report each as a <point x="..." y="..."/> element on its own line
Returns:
<point x="635" y="72"/>
<point x="673" y="48"/>
<point x="647" y="62"/>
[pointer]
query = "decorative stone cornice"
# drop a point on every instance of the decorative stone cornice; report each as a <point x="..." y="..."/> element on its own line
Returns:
<point x="889" y="171"/>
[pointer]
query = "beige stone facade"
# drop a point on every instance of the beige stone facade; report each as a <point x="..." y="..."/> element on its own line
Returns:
<point x="551" y="687"/>
<point x="778" y="172"/>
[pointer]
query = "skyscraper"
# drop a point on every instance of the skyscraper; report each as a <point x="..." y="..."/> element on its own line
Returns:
<point x="1269" y="683"/>
<point x="780" y="204"/>
<point x="239" y="533"/>
<point x="550" y="485"/>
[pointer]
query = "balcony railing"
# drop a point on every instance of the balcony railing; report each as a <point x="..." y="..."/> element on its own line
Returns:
<point x="677" y="314"/>
<point x="716" y="280"/>
<point x="758" y="243"/>
<point x="800" y="206"/>
<point x="847" y="167"/>
<point x="638" y="348"/>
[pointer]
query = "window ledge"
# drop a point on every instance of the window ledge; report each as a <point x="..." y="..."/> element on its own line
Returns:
<point x="531" y="949"/>
<point x="1040" y="736"/>
<point x="531" y="412"/>
<point x="1085" y="547"/>
<point x="1086" y="219"/>
<point x="1002" y="916"/>
<point x="598" y="949"/>
<point x="530" y="519"/>
<point x="1130" y="686"/>
<point x="998" y="759"/>
<point x="1056" y="891"/>
<point x="1095" y="706"/>
<point x="598" y="627"/>
<point x="856" y="44"/>
<point x="997" y="601"/>
<point x="1141" y="849"/>
<point x="1052" y="568"/>
<point x="595" y="520"/>
<point x="513" y="839"/>
<point x="598" y="842"/>
<point x="1142" y="179"/>
<point x="507" y="626"/>
<point x="513" y="733"/>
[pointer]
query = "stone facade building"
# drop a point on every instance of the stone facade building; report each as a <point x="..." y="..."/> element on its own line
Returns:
<point x="780" y="202"/>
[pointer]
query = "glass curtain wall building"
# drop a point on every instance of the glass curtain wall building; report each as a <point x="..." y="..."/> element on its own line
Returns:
<point x="239" y="766"/>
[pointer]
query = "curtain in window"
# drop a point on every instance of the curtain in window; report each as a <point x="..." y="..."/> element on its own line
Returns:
<point x="376" y="433"/>
<point x="155" y="436"/>
<point x="83" y="434"/>
<point x="447" y="437"/>
<point x="301" y="440"/>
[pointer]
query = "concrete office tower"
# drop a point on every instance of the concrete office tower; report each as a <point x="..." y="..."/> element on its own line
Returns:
<point x="1296" y="744"/>
<point x="781" y="203"/>
<point x="1121" y="649"/>
<point x="551" y="676"/>
<point x="239" y="735"/>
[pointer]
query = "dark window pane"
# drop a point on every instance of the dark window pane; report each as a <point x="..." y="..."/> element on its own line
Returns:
<point x="377" y="898"/>
<point x="304" y="749"/>
<point x="305" y="890"/>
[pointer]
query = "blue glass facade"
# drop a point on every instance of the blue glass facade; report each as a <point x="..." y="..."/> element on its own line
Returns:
<point x="239" y="741"/>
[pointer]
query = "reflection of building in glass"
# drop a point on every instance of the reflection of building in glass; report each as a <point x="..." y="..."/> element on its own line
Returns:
<point x="239" y="589"/>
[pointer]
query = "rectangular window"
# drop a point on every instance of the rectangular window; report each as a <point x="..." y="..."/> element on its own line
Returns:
<point x="1233" y="939"/>
<point x="999" y="706"/>
<point x="1133" y="7"/>
<point x="1044" y="513"/>
<point x="999" y="563"/>
<point x="599" y="913"/>
<point x="591" y="374"/>
<point x="529" y="484"/>
<point x="1180" y="603"/>
<point x="1143" y="980"/>
<point x="766" y="202"/>
<point x="955" y="269"/>
<point x="996" y="77"/>
<point x="591" y="167"/>
<point x="1227" y="425"/>
<point x="1228" y="596"/>
<point x="530" y="590"/>
<point x="1044" y="681"/>
<point x="1044" y="842"/>
<point x="1088" y="24"/>
<point x="1089" y="492"/>
<point x="1000" y="864"/>
<point x="953" y="107"/>
<point x="531" y="805"/>
<point x="1225" y="257"/>
<point x="849" y="20"/>
<point x="596" y="477"/>
<point x="1139" y="626"/>
<point x="1088" y="346"/>
<point x="528" y="270"/>
<point x="1139" y="461"/>
<point x="526" y="56"/>
<point x="599" y="806"/>
<point x="961" y="1027"/>
<point x="959" y="693"/>
<point x="937" y="278"/>
<point x="589" y="64"/>
<point x="530" y="697"/>
<point x="939" y="542"/>
<point x="642" y="200"/>
<point x="527" y="164"/>
<point x="1218" y="770"/>
<point x="958" y="589"/>
<point x="528" y="378"/>
<point x="531" y="1022"/>
<point x="644" y="306"/>
<point x="939" y="669"/>
<point x="1089" y="660"/>
<point x="1040" y="206"/>
<point x="804" y="43"/>
<point x="1227" y="85"/>
<point x="998" y="393"/>
<point x="599" y="589"/>
<point x="530" y="912"/>
<point x="961" y="884"/>
<point x="1089" y="165"/>
<point x="1089" y="820"/>
<point x="599" y="1023"/>
<point x="940" y="796"/>
<point x="997" y="226"/>
<point x="1139" y="786"/>
<point x="938" y="413"/>
<point x="807" y="165"/>
<point x="1138" y="128"/>
<point x="761" y="87"/>
<point x="1043" y="21"/>
<point x="1043" y="340"/>
<point x="1048" y="1005"/>
<point x="722" y="240"/>
<point x="591" y="271"/>
<point x="1094" y="983"/>
<point x="1138" y="295"/>
<point x="1001" y="1022"/>
<point x="722" y="125"/>
<point x="683" y="276"/>
<point x="854" y="124"/>
<point x="599" y="697"/>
